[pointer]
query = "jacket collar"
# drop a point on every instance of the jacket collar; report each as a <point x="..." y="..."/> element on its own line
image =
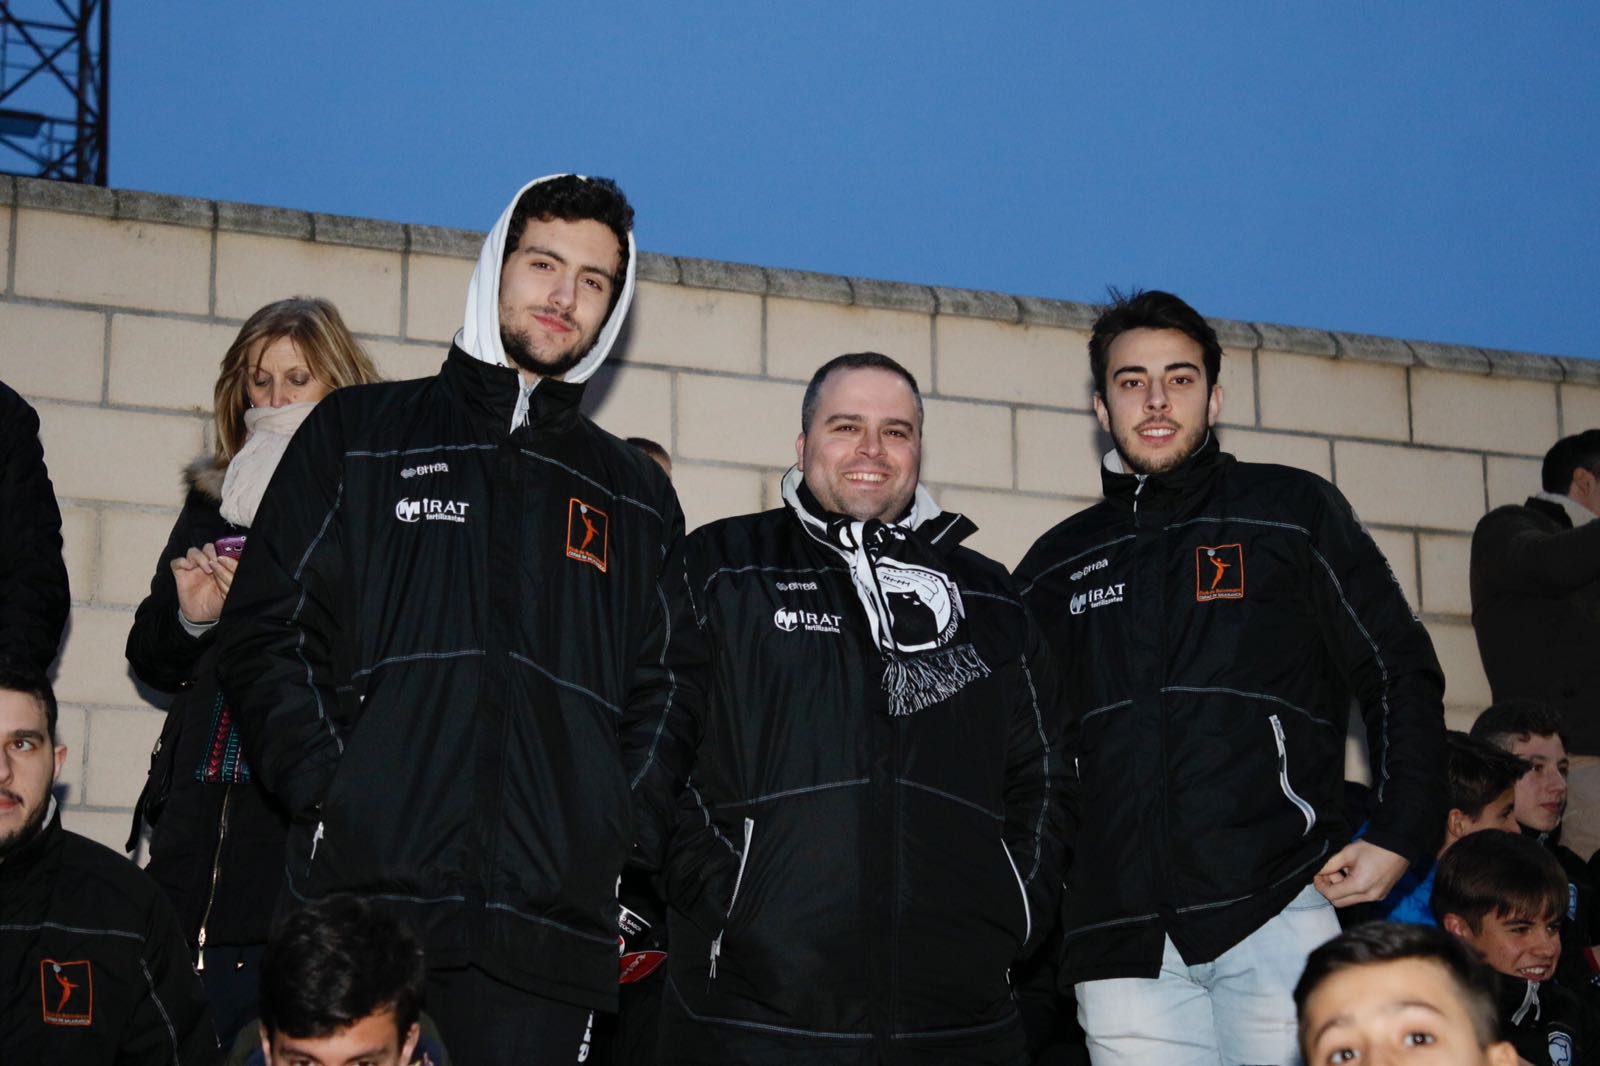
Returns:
<point x="21" y="862"/>
<point x="1188" y="482"/>
<point x="1551" y="510"/>
<point x="489" y="393"/>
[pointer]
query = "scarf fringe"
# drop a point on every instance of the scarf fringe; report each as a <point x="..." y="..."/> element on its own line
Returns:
<point x="915" y="682"/>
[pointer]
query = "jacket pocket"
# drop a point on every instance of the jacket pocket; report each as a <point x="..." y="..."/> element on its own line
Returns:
<point x="1022" y="890"/>
<point x="733" y="899"/>
<point x="1306" y="810"/>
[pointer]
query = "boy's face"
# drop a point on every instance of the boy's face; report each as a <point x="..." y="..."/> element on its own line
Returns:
<point x="1542" y="791"/>
<point x="1405" y="1011"/>
<point x="1515" y="945"/>
<point x="373" y="1041"/>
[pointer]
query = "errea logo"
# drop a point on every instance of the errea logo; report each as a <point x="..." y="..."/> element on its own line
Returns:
<point x="409" y="510"/>
<point x="1099" y="564"/>
<point x="788" y="619"/>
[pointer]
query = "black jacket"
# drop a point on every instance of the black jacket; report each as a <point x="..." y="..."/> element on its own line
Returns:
<point x="216" y="848"/>
<point x="1547" y="1024"/>
<point x="33" y="578"/>
<point x="1213" y="623"/>
<point x="92" y="966"/>
<point x="494" y="597"/>
<point x="868" y="879"/>
<point x="1536" y="611"/>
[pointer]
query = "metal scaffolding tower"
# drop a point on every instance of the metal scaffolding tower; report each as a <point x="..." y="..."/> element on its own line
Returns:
<point x="55" y="57"/>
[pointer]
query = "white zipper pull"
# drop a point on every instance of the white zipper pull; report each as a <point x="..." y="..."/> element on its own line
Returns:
<point x="716" y="949"/>
<point x="200" y="955"/>
<point x="316" y="838"/>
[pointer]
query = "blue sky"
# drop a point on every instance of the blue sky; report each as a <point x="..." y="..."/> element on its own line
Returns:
<point x="1428" y="170"/>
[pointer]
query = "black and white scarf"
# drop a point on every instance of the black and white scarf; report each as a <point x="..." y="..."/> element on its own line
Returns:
<point x="913" y="607"/>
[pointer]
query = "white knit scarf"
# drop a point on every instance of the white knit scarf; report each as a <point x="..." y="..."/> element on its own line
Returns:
<point x="268" y="431"/>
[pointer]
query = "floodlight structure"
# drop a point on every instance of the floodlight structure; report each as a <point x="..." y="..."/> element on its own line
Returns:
<point x="55" y="58"/>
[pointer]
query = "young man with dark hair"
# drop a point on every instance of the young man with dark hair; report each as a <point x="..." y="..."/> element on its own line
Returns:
<point x="1503" y="895"/>
<point x="1213" y="619"/>
<point x="342" y="982"/>
<point x="871" y="834"/>
<point x="487" y="567"/>
<point x="1535" y="583"/>
<point x="1382" y="994"/>
<point x="93" y="965"/>
<point x="1482" y="782"/>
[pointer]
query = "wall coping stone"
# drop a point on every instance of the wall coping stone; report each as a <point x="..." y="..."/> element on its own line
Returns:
<point x="1235" y="335"/>
<point x="893" y="295"/>
<point x="1042" y="311"/>
<point x="358" y="232"/>
<point x="158" y="207"/>
<point x="442" y="240"/>
<point x="1524" y="365"/>
<point x="974" y="303"/>
<point x="742" y="277"/>
<point x="808" y="285"/>
<point x="1300" y="340"/>
<point x="653" y="266"/>
<point x="1450" y="357"/>
<point x="1374" y="349"/>
<point x="1580" y="371"/>
<point x="715" y="274"/>
<point x="266" y="221"/>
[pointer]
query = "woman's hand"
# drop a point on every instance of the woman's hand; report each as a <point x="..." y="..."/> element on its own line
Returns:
<point x="203" y="580"/>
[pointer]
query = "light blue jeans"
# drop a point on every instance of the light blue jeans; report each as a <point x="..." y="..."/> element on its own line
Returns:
<point x="1234" y="1011"/>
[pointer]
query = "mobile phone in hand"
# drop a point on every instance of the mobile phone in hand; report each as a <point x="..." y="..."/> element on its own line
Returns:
<point x="232" y="547"/>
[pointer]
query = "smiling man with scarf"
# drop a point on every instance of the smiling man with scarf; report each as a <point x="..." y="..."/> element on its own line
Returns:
<point x="870" y="835"/>
<point x="485" y="564"/>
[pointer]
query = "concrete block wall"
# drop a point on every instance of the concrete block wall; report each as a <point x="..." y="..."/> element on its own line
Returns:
<point x="116" y="307"/>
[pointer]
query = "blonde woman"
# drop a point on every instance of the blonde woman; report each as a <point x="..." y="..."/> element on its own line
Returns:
<point x="217" y="841"/>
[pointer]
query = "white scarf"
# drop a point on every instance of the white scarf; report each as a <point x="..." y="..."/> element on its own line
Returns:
<point x="480" y="332"/>
<point x="268" y="431"/>
<point x="925" y="648"/>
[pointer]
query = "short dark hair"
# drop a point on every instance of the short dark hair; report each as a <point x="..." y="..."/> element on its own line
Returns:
<point x="1566" y="456"/>
<point x="1150" y="309"/>
<point x="650" y="448"/>
<point x="1478" y="772"/>
<point x="853" y="361"/>
<point x="37" y="685"/>
<point x="574" y="199"/>
<point x="336" y="961"/>
<point x="1379" y="942"/>
<point x="1508" y="721"/>
<point x="1492" y="872"/>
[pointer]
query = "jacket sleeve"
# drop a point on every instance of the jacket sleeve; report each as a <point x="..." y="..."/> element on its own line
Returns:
<point x="658" y="723"/>
<point x="1388" y="664"/>
<point x="1523" y="554"/>
<point x="1053" y="636"/>
<point x="33" y="577"/>
<point x="1037" y="788"/>
<point x="279" y="626"/>
<point x="171" y="1022"/>
<point x="678" y="841"/>
<point x="160" y="650"/>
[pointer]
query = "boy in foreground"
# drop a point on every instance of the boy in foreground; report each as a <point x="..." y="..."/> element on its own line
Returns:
<point x="1385" y="993"/>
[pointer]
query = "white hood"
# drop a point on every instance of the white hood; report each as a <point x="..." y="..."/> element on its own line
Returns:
<point x="480" y="332"/>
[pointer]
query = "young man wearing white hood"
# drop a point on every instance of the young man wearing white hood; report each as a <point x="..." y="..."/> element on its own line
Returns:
<point x="483" y="564"/>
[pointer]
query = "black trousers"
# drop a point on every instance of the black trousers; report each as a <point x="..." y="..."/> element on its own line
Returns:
<point x="486" y="1022"/>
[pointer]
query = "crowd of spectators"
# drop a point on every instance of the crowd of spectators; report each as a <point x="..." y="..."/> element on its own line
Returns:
<point x="470" y="747"/>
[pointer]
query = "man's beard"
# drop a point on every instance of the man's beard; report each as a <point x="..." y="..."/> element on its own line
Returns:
<point x="1192" y="439"/>
<point x="519" y="349"/>
<point x="27" y="830"/>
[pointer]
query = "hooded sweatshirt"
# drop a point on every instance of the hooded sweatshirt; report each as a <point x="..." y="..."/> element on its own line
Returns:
<point x="447" y="648"/>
